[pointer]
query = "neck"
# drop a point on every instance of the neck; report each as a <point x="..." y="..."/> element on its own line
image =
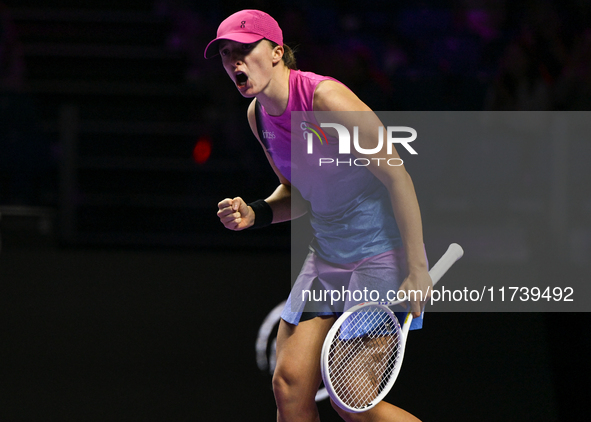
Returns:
<point x="276" y="95"/>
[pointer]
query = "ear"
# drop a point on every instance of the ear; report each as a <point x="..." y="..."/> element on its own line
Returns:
<point x="278" y="54"/>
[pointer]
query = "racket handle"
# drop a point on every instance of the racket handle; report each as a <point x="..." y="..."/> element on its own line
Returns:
<point x="453" y="253"/>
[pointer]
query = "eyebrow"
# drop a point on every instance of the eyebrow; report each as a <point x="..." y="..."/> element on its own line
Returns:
<point x="223" y="43"/>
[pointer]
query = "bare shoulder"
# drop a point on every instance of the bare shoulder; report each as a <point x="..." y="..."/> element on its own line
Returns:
<point x="251" y="115"/>
<point x="334" y="96"/>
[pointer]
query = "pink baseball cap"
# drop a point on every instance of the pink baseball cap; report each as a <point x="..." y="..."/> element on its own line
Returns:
<point x="245" y="27"/>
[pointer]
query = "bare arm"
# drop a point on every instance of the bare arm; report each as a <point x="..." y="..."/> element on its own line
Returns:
<point x="332" y="96"/>
<point x="286" y="201"/>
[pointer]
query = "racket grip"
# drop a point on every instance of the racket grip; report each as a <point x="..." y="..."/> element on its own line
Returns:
<point x="453" y="253"/>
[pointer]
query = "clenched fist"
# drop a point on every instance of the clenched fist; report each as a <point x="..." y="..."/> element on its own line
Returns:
<point x="235" y="214"/>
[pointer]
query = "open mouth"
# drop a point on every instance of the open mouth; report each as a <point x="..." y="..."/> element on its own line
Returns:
<point x="241" y="79"/>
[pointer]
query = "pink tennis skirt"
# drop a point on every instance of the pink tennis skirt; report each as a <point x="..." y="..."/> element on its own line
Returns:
<point x="323" y="288"/>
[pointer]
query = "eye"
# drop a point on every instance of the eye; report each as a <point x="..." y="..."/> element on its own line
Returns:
<point x="224" y="52"/>
<point x="246" y="47"/>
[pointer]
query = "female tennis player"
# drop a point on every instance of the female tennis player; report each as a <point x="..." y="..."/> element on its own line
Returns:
<point x="370" y="230"/>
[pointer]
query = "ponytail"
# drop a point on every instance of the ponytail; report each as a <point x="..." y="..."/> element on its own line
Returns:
<point x="289" y="58"/>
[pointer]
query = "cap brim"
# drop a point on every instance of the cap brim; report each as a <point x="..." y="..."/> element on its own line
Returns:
<point x="212" y="49"/>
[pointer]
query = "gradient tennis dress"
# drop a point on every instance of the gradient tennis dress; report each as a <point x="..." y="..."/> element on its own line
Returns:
<point x="356" y="245"/>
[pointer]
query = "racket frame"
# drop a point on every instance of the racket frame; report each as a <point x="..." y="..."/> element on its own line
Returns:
<point x="333" y="332"/>
<point x="453" y="253"/>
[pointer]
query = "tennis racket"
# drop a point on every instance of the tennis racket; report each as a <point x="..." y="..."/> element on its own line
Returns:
<point x="362" y="353"/>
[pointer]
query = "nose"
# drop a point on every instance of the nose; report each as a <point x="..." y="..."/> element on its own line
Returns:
<point x="237" y="58"/>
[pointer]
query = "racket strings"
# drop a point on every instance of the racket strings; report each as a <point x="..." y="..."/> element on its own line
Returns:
<point x="363" y="356"/>
<point x="365" y="368"/>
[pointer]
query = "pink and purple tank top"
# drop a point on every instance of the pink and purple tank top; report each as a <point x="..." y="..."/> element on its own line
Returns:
<point x="351" y="212"/>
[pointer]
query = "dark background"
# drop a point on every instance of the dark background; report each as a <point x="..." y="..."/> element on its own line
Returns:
<point x="123" y="298"/>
